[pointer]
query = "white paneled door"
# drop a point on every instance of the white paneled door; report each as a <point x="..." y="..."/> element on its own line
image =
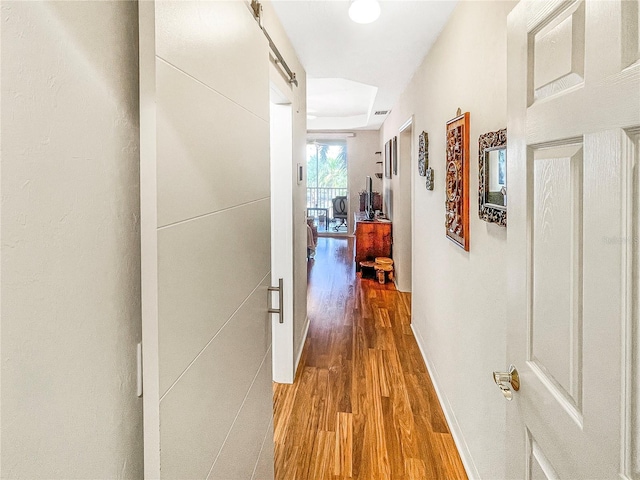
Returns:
<point x="205" y="222"/>
<point x="573" y="152"/>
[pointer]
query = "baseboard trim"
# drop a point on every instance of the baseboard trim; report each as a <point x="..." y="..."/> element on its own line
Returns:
<point x="303" y="339"/>
<point x="454" y="427"/>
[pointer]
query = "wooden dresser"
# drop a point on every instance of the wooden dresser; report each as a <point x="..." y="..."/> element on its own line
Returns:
<point x="373" y="238"/>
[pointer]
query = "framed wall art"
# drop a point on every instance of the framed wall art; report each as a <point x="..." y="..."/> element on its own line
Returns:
<point x="457" y="180"/>
<point x="429" y="180"/>
<point x="394" y="154"/>
<point x="492" y="177"/>
<point x="423" y="153"/>
<point x="387" y="159"/>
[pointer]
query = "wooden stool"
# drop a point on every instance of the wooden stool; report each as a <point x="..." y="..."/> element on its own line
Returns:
<point x="367" y="269"/>
<point x="381" y="269"/>
<point x="385" y="260"/>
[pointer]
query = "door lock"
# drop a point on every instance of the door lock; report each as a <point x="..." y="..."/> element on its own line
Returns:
<point x="507" y="381"/>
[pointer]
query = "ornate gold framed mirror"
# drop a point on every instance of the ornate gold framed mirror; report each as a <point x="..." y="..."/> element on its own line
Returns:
<point x="492" y="173"/>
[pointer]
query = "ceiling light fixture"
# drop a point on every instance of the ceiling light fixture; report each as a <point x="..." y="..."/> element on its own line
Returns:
<point x="364" y="11"/>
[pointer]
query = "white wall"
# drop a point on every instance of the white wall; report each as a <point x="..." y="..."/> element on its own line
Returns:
<point x="361" y="161"/>
<point x="458" y="308"/>
<point x="70" y="241"/>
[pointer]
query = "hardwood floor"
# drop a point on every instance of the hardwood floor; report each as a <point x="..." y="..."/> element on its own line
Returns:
<point x="362" y="405"/>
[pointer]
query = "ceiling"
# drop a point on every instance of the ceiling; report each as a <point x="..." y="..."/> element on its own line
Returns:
<point x="354" y="70"/>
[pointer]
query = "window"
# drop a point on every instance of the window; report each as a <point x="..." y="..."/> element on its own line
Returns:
<point x="326" y="180"/>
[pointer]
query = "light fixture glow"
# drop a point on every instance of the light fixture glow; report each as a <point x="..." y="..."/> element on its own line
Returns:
<point x="364" y="11"/>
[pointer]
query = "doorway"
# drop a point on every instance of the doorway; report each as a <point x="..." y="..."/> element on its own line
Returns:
<point x="281" y="152"/>
<point x="403" y="211"/>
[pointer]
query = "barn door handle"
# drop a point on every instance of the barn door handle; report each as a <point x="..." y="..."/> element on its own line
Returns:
<point x="280" y="309"/>
<point x="507" y="381"/>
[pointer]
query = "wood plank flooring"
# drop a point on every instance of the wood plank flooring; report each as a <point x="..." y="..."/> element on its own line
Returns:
<point x="362" y="405"/>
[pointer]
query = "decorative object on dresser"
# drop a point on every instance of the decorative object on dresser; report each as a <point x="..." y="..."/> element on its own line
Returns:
<point x="492" y="177"/>
<point x="423" y="153"/>
<point x="457" y="180"/>
<point x="373" y="238"/>
<point x="377" y="201"/>
<point x="387" y="159"/>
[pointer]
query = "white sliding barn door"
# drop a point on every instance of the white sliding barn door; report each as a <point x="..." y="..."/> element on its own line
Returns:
<point x="204" y="76"/>
<point x="574" y="113"/>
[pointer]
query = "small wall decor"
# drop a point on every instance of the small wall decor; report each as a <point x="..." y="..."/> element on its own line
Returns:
<point x="492" y="177"/>
<point x="423" y="153"/>
<point x="394" y="154"/>
<point x="429" y="175"/>
<point x="387" y="159"/>
<point x="457" y="180"/>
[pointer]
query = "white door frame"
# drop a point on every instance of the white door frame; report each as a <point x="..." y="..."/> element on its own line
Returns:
<point x="282" y="222"/>
<point x="401" y="165"/>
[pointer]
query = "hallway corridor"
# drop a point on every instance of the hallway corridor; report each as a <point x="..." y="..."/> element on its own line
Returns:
<point x="362" y="405"/>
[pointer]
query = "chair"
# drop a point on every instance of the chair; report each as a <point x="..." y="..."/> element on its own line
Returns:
<point x="340" y="211"/>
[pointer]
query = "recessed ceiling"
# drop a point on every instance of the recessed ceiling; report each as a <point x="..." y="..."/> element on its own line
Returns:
<point x="354" y="70"/>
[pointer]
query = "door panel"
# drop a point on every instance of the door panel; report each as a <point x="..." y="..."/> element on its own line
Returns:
<point x="539" y="466"/>
<point x="188" y="32"/>
<point x="630" y="32"/>
<point x="205" y="274"/>
<point x="557" y="51"/>
<point x="205" y="226"/>
<point x="238" y="456"/>
<point x="196" y="175"/>
<point x="574" y="98"/>
<point x="214" y="394"/>
<point x="556" y="320"/>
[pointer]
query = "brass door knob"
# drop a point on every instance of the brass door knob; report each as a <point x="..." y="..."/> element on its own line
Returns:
<point x="508" y="382"/>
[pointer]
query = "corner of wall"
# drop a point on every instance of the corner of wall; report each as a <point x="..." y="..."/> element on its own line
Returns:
<point x="452" y="421"/>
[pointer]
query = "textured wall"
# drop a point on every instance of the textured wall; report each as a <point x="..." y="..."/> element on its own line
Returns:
<point x="459" y="311"/>
<point x="70" y="241"/>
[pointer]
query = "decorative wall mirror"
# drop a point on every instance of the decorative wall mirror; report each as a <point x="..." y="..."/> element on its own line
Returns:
<point x="492" y="171"/>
